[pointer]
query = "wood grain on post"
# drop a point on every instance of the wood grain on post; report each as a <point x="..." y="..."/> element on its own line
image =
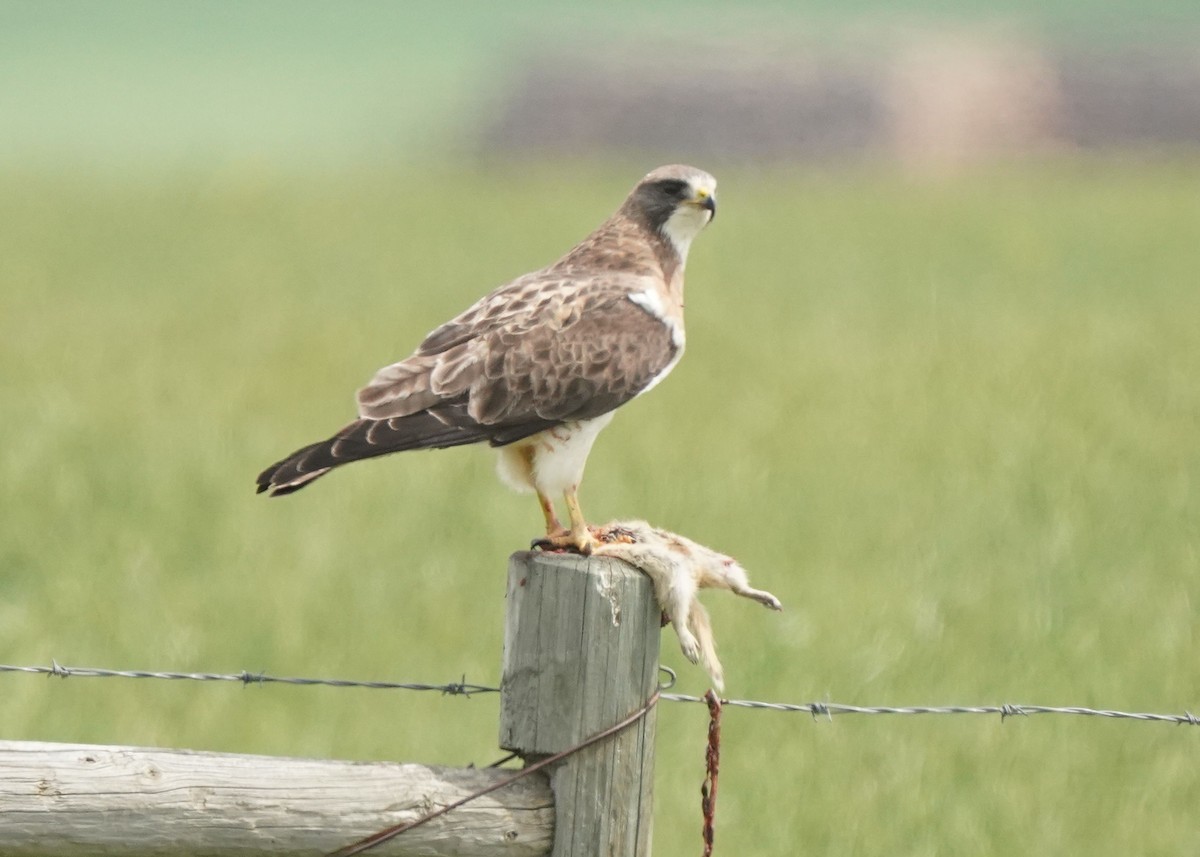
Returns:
<point x="580" y="653"/>
<point x="79" y="800"/>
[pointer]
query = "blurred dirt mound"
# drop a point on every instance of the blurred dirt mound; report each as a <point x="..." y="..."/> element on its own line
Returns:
<point x="930" y="99"/>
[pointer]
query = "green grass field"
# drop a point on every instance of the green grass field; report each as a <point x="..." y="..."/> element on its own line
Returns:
<point x="953" y="424"/>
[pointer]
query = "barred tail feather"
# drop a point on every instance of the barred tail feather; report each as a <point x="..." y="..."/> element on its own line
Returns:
<point x="360" y="440"/>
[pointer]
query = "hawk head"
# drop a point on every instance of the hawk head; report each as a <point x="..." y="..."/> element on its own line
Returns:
<point x="676" y="201"/>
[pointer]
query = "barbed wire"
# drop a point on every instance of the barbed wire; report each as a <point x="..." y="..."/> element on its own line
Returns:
<point x="829" y="709"/>
<point x="57" y="670"/>
<point x="462" y="687"/>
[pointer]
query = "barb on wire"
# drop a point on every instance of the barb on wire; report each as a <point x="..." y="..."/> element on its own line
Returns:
<point x="389" y="833"/>
<point x="458" y="688"/>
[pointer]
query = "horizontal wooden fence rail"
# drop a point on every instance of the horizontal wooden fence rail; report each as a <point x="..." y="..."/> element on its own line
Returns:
<point x="71" y="800"/>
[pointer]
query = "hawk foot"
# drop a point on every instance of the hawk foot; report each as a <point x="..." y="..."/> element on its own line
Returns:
<point x="582" y="542"/>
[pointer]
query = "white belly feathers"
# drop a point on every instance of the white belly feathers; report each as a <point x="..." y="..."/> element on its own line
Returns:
<point x="551" y="461"/>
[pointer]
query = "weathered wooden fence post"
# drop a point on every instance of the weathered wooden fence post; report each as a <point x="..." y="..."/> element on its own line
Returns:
<point x="580" y="653"/>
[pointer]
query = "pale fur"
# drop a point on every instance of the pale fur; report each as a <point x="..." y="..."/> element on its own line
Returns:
<point x="679" y="568"/>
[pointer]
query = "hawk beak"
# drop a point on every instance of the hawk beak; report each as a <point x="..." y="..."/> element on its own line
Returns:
<point x="708" y="202"/>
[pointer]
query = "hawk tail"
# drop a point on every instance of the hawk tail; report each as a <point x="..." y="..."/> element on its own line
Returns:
<point x="363" y="439"/>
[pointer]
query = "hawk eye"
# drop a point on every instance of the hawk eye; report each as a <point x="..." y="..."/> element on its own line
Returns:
<point x="674" y="188"/>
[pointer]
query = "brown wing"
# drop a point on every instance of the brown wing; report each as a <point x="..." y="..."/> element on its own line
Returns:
<point x="406" y="387"/>
<point x="606" y="351"/>
<point x="531" y="338"/>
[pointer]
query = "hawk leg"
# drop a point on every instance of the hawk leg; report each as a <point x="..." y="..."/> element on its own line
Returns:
<point x="578" y="538"/>
<point x="553" y="527"/>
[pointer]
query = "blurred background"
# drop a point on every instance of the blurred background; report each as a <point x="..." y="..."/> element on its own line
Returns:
<point x="940" y="396"/>
<point x="141" y="85"/>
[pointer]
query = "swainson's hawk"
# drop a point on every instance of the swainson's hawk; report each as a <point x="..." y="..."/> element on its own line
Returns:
<point x="537" y="367"/>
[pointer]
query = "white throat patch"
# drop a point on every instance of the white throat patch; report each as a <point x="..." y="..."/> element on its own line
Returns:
<point x="683" y="225"/>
